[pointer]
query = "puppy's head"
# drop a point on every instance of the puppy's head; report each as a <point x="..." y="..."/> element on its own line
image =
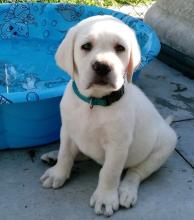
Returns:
<point x="97" y="53"/>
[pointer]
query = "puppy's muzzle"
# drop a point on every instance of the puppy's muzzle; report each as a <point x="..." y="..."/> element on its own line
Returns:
<point x="102" y="74"/>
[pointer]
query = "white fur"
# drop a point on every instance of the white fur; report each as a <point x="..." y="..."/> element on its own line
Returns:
<point x="128" y="134"/>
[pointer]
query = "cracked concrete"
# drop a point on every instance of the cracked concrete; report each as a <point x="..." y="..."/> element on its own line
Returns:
<point x="171" y="92"/>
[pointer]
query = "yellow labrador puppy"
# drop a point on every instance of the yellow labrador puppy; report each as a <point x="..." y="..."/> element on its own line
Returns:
<point x="105" y="116"/>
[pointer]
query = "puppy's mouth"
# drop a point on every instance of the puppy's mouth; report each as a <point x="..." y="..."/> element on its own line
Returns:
<point x="101" y="82"/>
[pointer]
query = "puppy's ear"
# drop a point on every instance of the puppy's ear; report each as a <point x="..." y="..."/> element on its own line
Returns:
<point x="65" y="53"/>
<point x="135" y="57"/>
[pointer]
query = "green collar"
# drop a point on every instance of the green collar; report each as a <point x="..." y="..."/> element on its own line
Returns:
<point x="104" y="101"/>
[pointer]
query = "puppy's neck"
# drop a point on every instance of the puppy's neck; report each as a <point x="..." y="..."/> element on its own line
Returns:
<point x="106" y="100"/>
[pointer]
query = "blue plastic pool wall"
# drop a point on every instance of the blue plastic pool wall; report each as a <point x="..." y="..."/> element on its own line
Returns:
<point x="18" y="129"/>
<point x="29" y="125"/>
<point x="31" y="118"/>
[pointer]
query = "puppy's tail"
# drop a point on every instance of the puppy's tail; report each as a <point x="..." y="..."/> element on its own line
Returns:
<point x="169" y="119"/>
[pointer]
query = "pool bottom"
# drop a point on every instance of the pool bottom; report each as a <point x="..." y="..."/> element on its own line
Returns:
<point x="29" y="125"/>
<point x="29" y="65"/>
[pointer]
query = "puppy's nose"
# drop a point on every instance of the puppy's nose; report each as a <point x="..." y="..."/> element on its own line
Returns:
<point x="101" y="69"/>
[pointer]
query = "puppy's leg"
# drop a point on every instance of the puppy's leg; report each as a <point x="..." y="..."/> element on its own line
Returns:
<point x="56" y="176"/>
<point x="128" y="188"/>
<point x="105" y="198"/>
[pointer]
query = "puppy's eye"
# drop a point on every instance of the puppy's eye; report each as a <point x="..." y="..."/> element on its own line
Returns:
<point x="119" y="48"/>
<point x="87" y="46"/>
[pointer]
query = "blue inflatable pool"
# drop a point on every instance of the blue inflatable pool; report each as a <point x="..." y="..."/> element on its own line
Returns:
<point x="31" y="85"/>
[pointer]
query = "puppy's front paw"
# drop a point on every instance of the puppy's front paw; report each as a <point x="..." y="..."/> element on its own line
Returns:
<point x="105" y="201"/>
<point x="127" y="195"/>
<point x="54" y="177"/>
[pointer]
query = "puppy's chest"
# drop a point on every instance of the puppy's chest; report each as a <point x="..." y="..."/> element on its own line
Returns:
<point x="92" y="131"/>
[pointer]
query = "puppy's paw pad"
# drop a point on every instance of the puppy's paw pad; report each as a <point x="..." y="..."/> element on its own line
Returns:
<point x="105" y="203"/>
<point x="53" y="178"/>
<point x="127" y="198"/>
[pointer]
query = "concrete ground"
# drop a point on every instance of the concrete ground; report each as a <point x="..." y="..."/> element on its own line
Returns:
<point x="168" y="194"/>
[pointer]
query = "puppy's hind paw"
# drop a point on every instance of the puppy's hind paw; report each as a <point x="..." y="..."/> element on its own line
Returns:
<point x="50" y="157"/>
